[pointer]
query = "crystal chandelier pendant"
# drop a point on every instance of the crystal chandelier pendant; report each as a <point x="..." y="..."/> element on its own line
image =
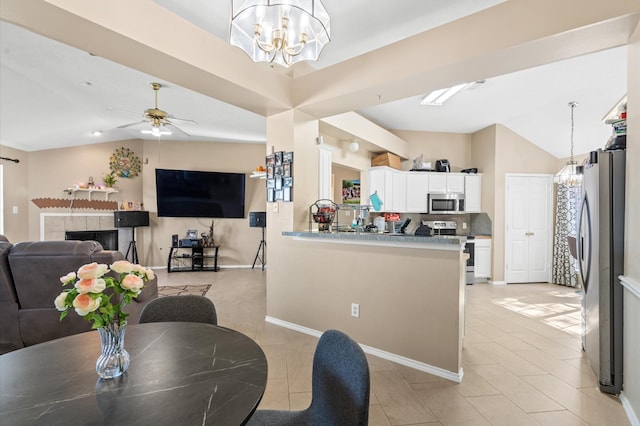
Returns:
<point x="281" y="32"/>
<point x="568" y="174"/>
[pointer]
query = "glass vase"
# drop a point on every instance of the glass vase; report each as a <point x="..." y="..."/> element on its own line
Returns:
<point x="114" y="359"/>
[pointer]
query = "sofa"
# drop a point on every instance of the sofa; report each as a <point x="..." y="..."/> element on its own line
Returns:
<point x="30" y="281"/>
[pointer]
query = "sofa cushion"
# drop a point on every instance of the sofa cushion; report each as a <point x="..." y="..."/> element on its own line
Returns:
<point x="37" y="267"/>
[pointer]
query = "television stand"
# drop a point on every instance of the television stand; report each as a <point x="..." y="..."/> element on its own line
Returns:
<point x="191" y="259"/>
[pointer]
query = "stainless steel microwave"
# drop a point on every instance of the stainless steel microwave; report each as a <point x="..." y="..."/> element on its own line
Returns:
<point x="451" y="203"/>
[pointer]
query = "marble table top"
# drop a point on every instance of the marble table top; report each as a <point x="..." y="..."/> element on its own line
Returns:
<point x="180" y="373"/>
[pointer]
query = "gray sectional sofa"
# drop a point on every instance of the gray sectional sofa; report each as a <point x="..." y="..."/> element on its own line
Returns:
<point x="30" y="281"/>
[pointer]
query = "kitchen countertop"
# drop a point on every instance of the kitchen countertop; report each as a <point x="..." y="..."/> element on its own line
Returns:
<point x="442" y="242"/>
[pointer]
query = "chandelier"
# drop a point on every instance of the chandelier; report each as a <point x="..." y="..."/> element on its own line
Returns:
<point x="282" y="32"/>
<point x="569" y="175"/>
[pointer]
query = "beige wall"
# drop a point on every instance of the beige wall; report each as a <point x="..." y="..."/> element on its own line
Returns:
<point x="49" y="172"/>
<point x="392" y="297"/>
<point x="16" y="193"/>
<point x="434" y="146"/>
<point x="497" y="150"/>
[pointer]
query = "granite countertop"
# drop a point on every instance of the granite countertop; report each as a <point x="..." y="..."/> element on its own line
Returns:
<point x="442" y="240"/>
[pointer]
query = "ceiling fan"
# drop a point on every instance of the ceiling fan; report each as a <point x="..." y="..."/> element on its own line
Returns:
<point x="160" y="120"/>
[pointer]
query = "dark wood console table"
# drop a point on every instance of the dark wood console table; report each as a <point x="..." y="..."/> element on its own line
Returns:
<point x="183" y="259"/>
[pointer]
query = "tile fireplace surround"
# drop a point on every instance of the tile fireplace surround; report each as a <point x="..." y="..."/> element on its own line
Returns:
<point x="54" y="225"/>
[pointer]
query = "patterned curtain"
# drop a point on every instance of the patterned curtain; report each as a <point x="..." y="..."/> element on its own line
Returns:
<point x="564" y="265"/>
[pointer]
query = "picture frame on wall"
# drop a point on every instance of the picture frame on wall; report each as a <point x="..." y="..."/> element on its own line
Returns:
<point x="278" y="156"/>
<point x="271" y="184"/>
<point x="270" y="171"/>
<point x="287" y="157"/>
<point x="287" y="182"/>
<point x="286" y="169"/>
<point x="270" y="195"/>
<point x="279" y="195"/>
<point x="286" y="194"/>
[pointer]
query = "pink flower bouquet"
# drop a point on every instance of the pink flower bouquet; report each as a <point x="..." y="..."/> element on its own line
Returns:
<point x="90" y="298"/>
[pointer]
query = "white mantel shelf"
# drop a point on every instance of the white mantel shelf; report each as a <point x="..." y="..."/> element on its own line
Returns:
<point x="107" y="191"/>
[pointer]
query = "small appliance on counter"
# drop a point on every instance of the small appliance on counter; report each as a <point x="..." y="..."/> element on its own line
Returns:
<point x="443" y="166"/>
<point x="470" y="170"/>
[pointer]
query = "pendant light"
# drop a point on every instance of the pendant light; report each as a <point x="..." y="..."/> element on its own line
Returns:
<point x="568" y="175"/>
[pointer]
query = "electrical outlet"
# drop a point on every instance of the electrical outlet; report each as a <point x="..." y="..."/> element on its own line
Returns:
<point x="275" y="207"/>
<point x="355" y="310"/>
<point x="464" y="225"/>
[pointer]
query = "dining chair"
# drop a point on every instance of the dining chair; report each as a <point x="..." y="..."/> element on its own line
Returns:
<point x="340" y="388"/>
<point x="187" y="308"/>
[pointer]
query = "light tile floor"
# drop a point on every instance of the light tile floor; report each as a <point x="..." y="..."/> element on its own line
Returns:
<point x="522" y="359"/>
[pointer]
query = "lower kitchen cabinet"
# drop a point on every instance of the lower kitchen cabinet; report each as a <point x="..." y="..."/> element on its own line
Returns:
<point x="482" y="258"/>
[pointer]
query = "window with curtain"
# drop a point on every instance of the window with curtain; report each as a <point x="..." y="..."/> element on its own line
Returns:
<point x="564" y="270"/>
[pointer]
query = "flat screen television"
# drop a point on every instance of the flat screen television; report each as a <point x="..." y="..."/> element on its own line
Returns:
<point x="189" y="193"/>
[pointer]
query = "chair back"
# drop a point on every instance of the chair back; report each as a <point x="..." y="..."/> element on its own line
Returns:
<point x="340" y="382"/>
<point x="187" y="308"/>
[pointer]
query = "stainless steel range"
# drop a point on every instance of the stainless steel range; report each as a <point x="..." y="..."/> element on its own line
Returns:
<point x="431" y="228"/>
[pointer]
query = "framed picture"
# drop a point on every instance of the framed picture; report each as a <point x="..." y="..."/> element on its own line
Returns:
<point x="271" y="183"/>
<point x="270" y="195"/>
<point x="278" y="171"/>
<point x="287" y="157"/>
<point x="270" y="160"/>
<point x="270" y="171"/>
<point x="279" y="194"/>
<point x="287" y="182"/>
<point x="278" y="180"/>
<point x="286" y="194"/>
<point x="286" y="169"/>
<point x="278" y="158"/>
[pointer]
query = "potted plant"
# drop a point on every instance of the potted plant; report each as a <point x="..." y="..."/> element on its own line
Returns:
<point x="110" y="180"/>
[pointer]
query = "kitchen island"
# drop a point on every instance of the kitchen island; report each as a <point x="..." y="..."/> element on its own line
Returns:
<point x="409" y="291"/>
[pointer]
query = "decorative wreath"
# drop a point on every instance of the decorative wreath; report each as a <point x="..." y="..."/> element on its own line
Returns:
<point x="125" y="163"/>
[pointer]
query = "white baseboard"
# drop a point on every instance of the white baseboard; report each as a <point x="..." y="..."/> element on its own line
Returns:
<point x="399" y="359"/>
<point x="631" y="415"/>
<point x="493" y="282"/>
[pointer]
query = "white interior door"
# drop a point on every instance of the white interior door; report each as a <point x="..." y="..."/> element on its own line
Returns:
<point x="528" y="228"/>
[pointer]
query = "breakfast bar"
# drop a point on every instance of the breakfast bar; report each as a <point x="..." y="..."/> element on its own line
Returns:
<point x="373" y="285"/>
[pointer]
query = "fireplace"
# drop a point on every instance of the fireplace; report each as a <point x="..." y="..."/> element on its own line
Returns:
<point x="108" y="239"/>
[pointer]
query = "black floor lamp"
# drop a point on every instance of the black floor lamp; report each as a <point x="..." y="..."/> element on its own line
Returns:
<point x="259" y="220"/>
<point x="133" y="220"/>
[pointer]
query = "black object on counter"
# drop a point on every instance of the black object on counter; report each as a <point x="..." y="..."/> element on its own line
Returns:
<point x="471" y="170"/>
<point x="406" y="223"/>
<point x="443" y="165"/>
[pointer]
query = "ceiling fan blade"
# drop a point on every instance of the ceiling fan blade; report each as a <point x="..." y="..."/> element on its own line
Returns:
<point x="178" y="129"/>
<point x="124" y="126"/>
<point x="186" y="120"/>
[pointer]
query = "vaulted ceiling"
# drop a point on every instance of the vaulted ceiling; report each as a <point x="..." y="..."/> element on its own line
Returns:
<point x="382" y="58"/>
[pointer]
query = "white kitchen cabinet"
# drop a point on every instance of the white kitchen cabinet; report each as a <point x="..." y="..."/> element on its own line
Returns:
<point x="482" y="258"/>
<point x="384" y="180"/>
<point x="438" y="182"/>
<point x="399" y="191"/>
<point x="455" y="182"/>
<point x="473" y="193"/>
<point x="446" y="182"/>
<point x="417" y="191"/>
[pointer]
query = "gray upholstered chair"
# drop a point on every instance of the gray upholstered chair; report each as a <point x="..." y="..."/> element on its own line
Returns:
<point x="187" y="308"/>
<point x="340" y="388"/>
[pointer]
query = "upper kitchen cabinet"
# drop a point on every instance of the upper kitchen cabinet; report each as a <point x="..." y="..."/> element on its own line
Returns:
<point x="390" y="186"/>
<point x="417" y="192"/>
<point x="446" y="183"/>
<point x="472" y="193"/>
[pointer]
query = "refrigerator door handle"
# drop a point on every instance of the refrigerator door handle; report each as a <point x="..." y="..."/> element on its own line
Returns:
<point x="584" y="210"/>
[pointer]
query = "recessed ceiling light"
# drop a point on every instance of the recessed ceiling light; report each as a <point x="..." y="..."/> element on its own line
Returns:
<point x="96" y="132"/>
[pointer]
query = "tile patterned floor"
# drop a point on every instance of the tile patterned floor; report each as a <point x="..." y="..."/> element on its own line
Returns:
<point x="522" y="359"/>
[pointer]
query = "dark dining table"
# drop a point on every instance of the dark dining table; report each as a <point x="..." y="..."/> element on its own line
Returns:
<point x="180" y="374"/>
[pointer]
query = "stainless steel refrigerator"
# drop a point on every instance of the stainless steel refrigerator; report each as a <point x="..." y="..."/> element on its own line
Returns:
<point x="600" y="247"/>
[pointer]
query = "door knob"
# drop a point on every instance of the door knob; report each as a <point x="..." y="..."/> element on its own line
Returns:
<point x="528" y="234"/>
